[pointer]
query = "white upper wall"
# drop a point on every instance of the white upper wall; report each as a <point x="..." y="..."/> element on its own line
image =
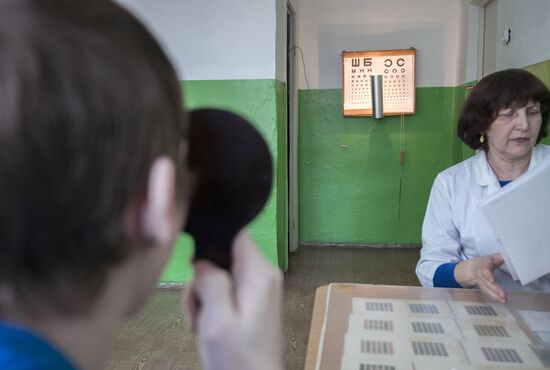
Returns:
<point x="218" y="40"/>
<point x="436" y="28"/>
<point x="280" y="65"/>
<point x="529" y="22"/>
<point x="214" y="39"/>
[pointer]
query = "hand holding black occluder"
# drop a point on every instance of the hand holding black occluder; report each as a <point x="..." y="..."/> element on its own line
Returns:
<point x="232" y="168"/>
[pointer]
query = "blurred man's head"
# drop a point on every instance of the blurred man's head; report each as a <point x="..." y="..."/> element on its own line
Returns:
<point x="88" y="104"/>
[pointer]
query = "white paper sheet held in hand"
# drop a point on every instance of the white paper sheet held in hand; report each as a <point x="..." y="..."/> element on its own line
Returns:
<point x="519" y="216"/>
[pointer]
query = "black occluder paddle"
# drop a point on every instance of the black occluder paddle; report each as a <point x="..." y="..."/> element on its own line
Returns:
<point x="231" y="164"/>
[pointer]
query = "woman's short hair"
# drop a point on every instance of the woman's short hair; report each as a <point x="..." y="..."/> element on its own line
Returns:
<point x="510" y="88"/>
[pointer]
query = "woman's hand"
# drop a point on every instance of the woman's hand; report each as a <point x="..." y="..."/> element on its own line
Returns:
<point x="479" y="272"/>
<point x="238" y="322"/>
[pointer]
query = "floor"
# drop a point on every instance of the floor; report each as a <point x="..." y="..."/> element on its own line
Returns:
<point x="157" y="338"/>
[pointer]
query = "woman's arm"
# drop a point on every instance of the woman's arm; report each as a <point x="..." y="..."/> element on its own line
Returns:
<point x="479" y="272"/>
<point x="441" y="263"/>
<point x="440" y="239"/>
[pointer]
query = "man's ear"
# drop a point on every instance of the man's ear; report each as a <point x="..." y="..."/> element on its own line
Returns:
<point x="157" y="221"/>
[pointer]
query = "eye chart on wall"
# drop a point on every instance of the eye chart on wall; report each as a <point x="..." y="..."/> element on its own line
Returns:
<point x="397" y="68"/>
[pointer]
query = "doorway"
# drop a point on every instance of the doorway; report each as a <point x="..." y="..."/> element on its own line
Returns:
<point x="489" y="38"/>
<point x="292" y="129"/>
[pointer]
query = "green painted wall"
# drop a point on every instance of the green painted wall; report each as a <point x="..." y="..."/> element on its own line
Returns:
<point x="349" y="172"/>
<point x="542" y="71"/>
<point x="461" y="151"/>
<point x="349" y="178"/>
<point x="263" y="103"/>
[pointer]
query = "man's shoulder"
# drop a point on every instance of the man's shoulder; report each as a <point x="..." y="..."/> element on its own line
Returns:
<point x="21" y="349"/>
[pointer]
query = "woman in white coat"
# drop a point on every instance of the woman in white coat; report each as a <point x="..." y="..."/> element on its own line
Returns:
<point x="503" y="119"/>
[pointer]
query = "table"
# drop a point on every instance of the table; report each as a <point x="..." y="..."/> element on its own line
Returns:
<point x="316" y="326"/>
<point x="341" y="299"/>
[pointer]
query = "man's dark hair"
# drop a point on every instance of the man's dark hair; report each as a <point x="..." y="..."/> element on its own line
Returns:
<point x="88" y="100"/>
<point x="510" y="88"/>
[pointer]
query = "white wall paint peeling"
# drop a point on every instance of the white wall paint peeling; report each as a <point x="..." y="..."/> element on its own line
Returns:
<point x="214" y="39"/>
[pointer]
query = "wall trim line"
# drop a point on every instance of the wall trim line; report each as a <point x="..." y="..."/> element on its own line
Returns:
<point x="362" y="245"/>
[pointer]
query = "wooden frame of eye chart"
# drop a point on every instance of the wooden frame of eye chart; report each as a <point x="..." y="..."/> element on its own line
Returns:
<point x="397" y="68"/>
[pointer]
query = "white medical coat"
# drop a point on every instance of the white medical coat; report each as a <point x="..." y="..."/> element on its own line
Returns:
<point x="454" y="228"/>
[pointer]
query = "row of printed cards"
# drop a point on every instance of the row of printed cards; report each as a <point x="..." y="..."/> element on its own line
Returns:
<point x="400" y="334"/>
<point x="450" y="309"/>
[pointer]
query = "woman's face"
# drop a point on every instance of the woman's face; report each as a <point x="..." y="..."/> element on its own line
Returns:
<point x="514" y="132"/>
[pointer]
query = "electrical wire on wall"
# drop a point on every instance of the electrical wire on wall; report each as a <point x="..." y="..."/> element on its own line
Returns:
<point x="401" y="162"/>
<point x="372" y="127"/>
<point x="378" y="113"/>
<point x="303" y="62"/>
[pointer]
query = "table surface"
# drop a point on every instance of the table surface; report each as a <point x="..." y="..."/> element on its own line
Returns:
<point x="516" y="301"/>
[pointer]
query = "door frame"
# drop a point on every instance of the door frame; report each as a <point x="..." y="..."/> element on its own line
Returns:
<point x="292" y="118"/>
